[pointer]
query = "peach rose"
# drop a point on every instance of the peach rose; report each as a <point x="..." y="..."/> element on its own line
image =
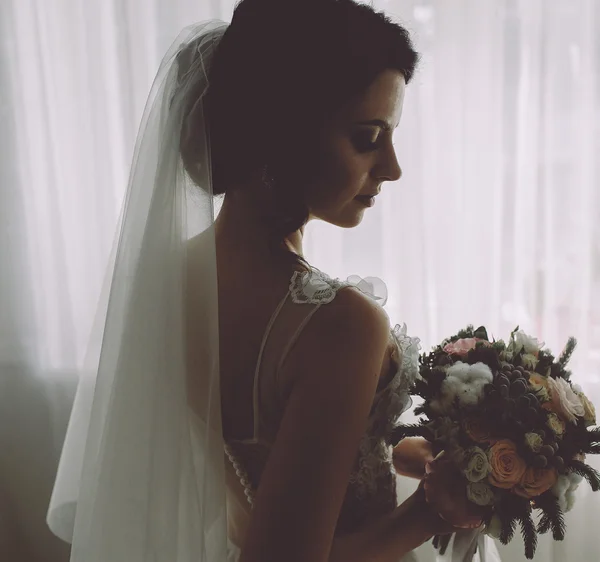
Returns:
<point x="536" y="481"/>
<point x="477" y="429"/>
<point x="539" y="384"/>
<point x="564" y="400"/>
<point x="589" y="412"/>
<point x="463" y="346"/>
<point x="507" y="467"/>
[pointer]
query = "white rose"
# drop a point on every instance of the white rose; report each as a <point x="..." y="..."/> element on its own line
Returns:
<point x="522" y="341"/>
<point x="477" y="464"/>
<point x="480" y="493"/>
<point x="566" y="403"/>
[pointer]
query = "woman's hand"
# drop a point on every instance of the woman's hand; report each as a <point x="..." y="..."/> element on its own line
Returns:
<point x="411" y="455"/>
<point x="445" y="493"/>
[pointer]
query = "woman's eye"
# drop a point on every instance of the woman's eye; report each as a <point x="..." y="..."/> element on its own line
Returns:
<point x="366" y="141"/>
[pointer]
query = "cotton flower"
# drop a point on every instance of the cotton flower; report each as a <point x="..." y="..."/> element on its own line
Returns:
<point x="463" y="382"/>
<point x="564" y="490"/>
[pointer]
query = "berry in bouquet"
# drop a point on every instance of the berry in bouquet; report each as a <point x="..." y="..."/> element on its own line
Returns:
<point x="511" y="420"/>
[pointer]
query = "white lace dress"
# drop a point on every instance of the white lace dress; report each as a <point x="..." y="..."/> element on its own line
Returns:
<point x="371" y="491"/>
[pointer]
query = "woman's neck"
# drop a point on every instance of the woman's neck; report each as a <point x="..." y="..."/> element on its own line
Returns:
<point x="241" y="228"/>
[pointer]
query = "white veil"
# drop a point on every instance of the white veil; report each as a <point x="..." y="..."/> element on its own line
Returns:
<point x="140" y="479"/>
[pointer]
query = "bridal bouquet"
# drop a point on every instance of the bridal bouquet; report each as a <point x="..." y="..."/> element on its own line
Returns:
<point x="509" y="418"/>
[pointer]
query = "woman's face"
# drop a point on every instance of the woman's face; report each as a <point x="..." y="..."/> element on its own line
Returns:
<point x="358" y="154"/>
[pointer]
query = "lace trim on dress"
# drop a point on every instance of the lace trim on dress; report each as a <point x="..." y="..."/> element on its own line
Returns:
<point x="316" y="287"/>
<point x="374" y="469"/>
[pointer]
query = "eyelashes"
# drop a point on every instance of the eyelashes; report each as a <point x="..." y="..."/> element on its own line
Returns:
<point x="367" y="141"/>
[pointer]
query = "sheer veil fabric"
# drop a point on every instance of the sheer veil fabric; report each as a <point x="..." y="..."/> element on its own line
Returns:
<point x="141" y="478"/>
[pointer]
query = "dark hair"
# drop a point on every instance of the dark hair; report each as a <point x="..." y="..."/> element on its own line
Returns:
<point x="280" y="70"/>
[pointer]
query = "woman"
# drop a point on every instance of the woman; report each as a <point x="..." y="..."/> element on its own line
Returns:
<point x="289" y="111"/>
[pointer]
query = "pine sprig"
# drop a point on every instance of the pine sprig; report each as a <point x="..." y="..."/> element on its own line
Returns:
<point x="567" y="352"/>
<point x="587" y="472"/>
<point x="509" y="523"/>
<point x="529" y="534"/>
<point x="552" y="516"/>
<point x="408" y="430"/>
<point x="441" y="542"/>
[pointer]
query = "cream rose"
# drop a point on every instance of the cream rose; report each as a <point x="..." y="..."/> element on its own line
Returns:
<point x="536" y="481"/>
<point x="506" y="466"/>
<point x="534" y="441"/>
<point x="480" y="493"/>
<point x="555" y="424"/>
<point x="564" y="400"/>
<point x="589" y="411"/>
<point x="477" y="464"/>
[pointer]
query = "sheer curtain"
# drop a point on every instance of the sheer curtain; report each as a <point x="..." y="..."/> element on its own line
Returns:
<point x="494" y="222"/>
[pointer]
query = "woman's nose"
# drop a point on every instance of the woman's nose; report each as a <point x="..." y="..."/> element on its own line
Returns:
<point x="389" y="169"/>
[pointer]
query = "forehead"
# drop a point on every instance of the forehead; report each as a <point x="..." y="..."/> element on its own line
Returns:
<point x="382" y="100"/>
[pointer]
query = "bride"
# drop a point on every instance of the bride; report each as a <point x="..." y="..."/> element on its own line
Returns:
<point x="236" y="402"/>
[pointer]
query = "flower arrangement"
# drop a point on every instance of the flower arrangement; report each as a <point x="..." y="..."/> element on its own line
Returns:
<point x="510" y="419"/>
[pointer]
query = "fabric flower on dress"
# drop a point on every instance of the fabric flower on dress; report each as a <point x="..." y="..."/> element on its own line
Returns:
<point x="372" y="286"/>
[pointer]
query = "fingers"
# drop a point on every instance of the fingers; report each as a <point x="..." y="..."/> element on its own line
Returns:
<point x="449" y="499"/>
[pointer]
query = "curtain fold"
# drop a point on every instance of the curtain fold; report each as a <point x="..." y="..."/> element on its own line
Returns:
<point x="495" y="220"/>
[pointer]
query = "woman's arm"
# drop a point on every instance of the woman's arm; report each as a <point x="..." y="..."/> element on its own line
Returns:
<point x="390" y="537"/>
<point x="334" y="369"/>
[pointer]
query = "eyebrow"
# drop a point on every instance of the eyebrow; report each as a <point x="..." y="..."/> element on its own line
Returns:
<point x="377" y="123"/>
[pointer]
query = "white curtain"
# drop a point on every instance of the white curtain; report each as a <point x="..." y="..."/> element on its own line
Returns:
<point x="494" y="222"/>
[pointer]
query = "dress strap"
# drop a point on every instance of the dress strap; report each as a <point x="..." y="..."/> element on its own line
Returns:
<point x="255" y="392"/>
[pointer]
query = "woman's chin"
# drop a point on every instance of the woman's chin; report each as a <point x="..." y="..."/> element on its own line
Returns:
<point x="348" y="218"/>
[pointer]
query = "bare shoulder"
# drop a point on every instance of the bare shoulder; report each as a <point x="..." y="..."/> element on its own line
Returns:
<point x="336" y="364"/>
<point x="352" y="325"/>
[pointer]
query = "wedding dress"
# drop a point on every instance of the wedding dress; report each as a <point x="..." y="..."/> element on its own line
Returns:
<point x="145" y="474"/>
<point x="371" y="491"/>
